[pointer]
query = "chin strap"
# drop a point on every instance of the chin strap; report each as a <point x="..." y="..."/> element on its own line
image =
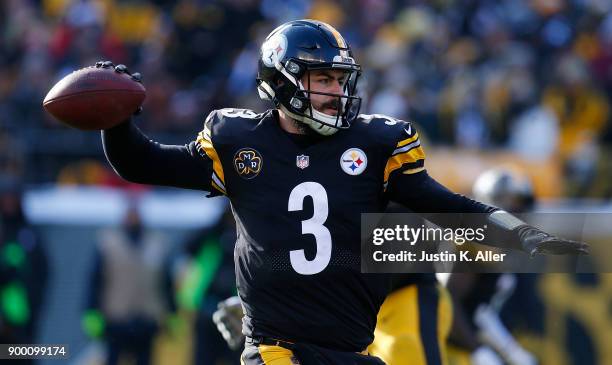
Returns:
<point x="318" y="121"/>
<point x="322" y="122"/>
<point x="318" y="127"/>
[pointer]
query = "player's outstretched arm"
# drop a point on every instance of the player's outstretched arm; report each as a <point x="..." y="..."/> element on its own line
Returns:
<point x="132" y="155"/>
<point x="421" y="193"/>
<point x="532" y="239"/>
<point x="138" y="159"/>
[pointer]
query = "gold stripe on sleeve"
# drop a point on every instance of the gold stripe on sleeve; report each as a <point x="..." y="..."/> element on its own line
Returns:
<point x="204" y="142"/>
<point x="397" y="161"/>
<point x="408" y="140"/>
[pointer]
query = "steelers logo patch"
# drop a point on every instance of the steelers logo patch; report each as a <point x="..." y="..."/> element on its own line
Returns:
<point x="248" y="163"/>
<point x="353" y="161"/>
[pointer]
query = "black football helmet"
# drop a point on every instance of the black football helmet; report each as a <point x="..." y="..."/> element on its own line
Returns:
<point x="506" y="189"/>
<point x="295" y="48"/>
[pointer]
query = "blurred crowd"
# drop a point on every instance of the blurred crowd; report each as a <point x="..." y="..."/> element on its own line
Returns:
<point x="530" y="76"/>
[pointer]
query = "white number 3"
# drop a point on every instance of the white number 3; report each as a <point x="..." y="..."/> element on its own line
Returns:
<point x="312" y="226"/>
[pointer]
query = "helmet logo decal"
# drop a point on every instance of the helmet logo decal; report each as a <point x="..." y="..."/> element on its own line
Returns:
<point x="273" y="50"/>
<point x="248" y="163"/>
<point x="353" y="161"/>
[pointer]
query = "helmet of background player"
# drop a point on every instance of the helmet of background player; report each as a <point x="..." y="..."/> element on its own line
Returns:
<point x="505" y="189"/>
<point x="289" y="54"/>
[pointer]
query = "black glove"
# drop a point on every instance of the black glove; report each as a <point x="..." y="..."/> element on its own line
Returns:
<point x="508" y="228"/>
<point x="536" y="241"/>
<point x="136" y="76"/>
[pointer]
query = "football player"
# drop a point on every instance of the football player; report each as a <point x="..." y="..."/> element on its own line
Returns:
<point x="298" y="176"/>
<point x="479" y="331"/>
<point x="413" y="322"/>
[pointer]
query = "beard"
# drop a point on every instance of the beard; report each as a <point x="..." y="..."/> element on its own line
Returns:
<point x="301" y="127"/>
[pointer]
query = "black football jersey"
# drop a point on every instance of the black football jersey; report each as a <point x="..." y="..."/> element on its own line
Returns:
<point x="297" y="212"/>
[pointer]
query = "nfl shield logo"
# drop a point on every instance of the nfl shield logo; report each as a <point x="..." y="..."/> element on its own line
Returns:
<point x="301" y="161"/>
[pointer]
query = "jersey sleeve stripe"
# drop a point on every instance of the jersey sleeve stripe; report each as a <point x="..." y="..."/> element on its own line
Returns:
<point x="217" y="184"/>
<point x="206" y="132"/>
<point x="413" y="159"/>
<point x="205" y="143"/>
<point x="407" y="148"/>
<point x="413" y="171"/>
<point x="408" y="140"/>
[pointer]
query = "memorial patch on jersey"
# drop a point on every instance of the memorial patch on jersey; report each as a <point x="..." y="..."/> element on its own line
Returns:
<point x="353" y="161"/>
<point x="248" y="162"/>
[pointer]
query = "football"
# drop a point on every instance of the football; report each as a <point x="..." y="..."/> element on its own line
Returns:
<point x="95" y="97"/>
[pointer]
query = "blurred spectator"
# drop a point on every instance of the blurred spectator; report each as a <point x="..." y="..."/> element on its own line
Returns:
<point x="209" y="279"/>
<point x="583" y="113"/>
<point x="536" y="120"/>
<point x="130" y="293"/>
<point x="23" y="271"/>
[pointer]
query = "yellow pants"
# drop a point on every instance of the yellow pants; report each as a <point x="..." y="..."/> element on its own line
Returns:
<point x="267" y="355"/>
<point x="276" y="355"/>
<point x="413" y="326"/>
<point x="458" y="356"/>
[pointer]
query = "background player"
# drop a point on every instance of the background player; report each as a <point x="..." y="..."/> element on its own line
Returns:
<point x="480" y="299"/>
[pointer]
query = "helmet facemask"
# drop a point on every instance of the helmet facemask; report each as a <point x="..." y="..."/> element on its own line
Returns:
<point x="300" y="106"/>
<point x="289" y="56"/>
<point x="316" y="114"/>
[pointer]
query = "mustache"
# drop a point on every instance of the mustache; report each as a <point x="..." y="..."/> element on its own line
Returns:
<point x="332" y="104"/>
